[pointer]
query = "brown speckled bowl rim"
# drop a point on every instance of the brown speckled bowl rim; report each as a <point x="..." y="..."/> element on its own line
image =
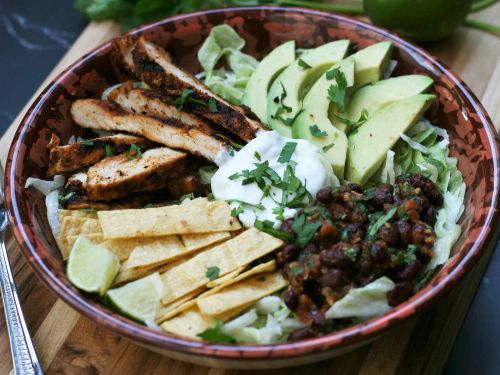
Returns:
<point x="350" y="336"/>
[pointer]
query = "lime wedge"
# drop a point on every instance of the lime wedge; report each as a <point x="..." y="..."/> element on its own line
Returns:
<point x="138" y="299"/>
<point x="91" y="267"/>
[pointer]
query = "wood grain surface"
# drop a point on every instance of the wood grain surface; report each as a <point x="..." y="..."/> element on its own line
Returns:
<point x="68" y="343"/>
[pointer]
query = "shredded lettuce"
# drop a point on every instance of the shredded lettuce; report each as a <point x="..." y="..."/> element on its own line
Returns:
<point x="268" y="322"/>
<point x="44" y="186"/>
<point x="364" y="302"/>
<point x="224" y="41"/>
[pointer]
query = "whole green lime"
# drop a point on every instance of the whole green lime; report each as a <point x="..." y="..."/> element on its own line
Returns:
<point x="418" y="20"/>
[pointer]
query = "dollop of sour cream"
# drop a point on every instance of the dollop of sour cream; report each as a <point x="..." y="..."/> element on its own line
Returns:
<point x="311" y="169"/>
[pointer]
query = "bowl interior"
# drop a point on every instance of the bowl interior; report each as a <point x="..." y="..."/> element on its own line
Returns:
<point x="472" y="137"/>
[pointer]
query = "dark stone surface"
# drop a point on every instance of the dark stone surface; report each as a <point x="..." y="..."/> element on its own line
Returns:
<point x="34" y="36"/>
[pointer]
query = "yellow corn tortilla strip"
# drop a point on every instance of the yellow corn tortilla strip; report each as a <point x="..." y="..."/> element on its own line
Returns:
<point x="229" y="276"/>
<point x="198" y="241"/>
<point x="196" y="216"/>
<point x="154" y="251"/>
<point x="165" y="311"/>
<point x="74" y="226"/>
<point x="224" y="281"/>
<point x="76" y="213"/>
<point x="240" y="294"/>
<point x="227" y="256"/>
<point x="191" y="322"/>
<point x="129" y="274"/>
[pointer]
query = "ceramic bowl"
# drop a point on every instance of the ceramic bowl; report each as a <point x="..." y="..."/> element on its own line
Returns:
<point x="473" y="142"/>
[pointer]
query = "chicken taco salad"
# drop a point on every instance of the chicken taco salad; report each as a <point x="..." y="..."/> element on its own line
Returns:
<point x="257" y="201"/>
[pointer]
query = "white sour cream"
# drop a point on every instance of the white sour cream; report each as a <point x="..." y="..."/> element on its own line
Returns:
<point x="312" y="170"/>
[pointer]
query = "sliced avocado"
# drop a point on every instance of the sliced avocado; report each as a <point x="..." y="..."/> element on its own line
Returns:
<point x="330" y="140"/>
<point x="286" y="92"/>
<point x="371" y="62"/>
<point x="255" y="96"/>
<point x="379" y="94"/>
<point x="369" y="144"/>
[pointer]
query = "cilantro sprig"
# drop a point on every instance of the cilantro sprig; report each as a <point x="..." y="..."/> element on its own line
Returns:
<point x="317" y="132"/>
<point x="186" y="97"/>
<point x="216" y="334"/>
<point x="354" y="124"/>
<point x="212" y="273"/>
<point x="337" y="93"/>
<point x="303" y="64"/>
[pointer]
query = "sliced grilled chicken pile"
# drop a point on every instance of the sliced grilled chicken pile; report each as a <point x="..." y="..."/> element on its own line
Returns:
<point x="160" y="134"/>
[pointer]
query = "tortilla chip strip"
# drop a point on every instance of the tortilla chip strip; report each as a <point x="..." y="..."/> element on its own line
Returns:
<point x="89" y="214"/>
<point x="200" y="240"/>
<point x="226" y="278"/>
<point x="129" y="274"/>
<point x="228" y="256"/>
<point x="191" y="322"/>
<point x="74" y="226"/>
<point x="155" y="251"/>
<point x="196" y="216"/>
<point x="240" y="294"/>
<point x="165" y="311"/>
<point x="219" y="284"/>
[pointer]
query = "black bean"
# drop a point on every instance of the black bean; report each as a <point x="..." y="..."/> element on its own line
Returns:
<point x="354" y="232"/>
<point x="334" y="278"/>
<point x="411" y="271"/>
<point x="288" y="253"/>
<point x="404" y="229"/>
<point x="418" y="233"/>
<point x="335" y="256"/>
<point x="292" y="299"/>
<point x="429" y="215"/>
<point x="383" y="194"/>
<point x="355" y="187"/>
<point x="378" y="251"/>
<point x="286" y="226"/>
<point x="389" y="234"/>
<point x="318" y="321"/>
<point x="401" y="292"/>
<point x="418" y="180"/>
<point x="324" y="195"/>
<point x="301" y="334"/>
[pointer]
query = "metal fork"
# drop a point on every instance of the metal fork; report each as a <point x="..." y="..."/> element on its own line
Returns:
<point x="24" y="359"/>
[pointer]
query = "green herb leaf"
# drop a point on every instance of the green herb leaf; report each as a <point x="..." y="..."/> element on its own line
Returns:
<point x="237" y="146"/>
<point x="303" y="64"/>
<point x="212" y="105"/>
<point x="375" y="227"/>
<point x="87" y="142"/>
<point x="135" y="152"/>
<point x="67" y="196"/>
<point x="237" y="210"/>
<point x="316" y="131"/>
<point x="304" y="231"/>
<point x="287" y="152"/>
<point x="109" y="150"/>
<point x="327" y="147"/>
<point x="216" y="334"/>
<point x="212" y="273"/>
<point x="185" y="98"/>
<point x="338" y="93"/>
<point x="267" y="227"/>
<point x="362" y="119"/>
<point x="257" y="155"/>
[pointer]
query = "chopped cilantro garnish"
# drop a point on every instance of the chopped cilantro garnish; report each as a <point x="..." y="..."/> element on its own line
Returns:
<point x="303" y="64"/>
<point x="237" y="146"/>
<point x="316" y="131"/>
<point x="258" y="206"/>
<point x="327" y="147"/>
<point x="87" y="142"/>
<point x="135" y="152"/>
<point x="212" y="273"/>
<point x="257" y="156"/>
<point x="185" y="98"/>
<point x="362" y="119"/>
<point x="212" y="105"/>
<point x="67" y="196"/>
<point x="268" y="227"/>
<point x="351" y="253"/>
<point x="287" y="152"/>
<point x="337" y="93"/>
<point x="379" y="222"/>
<point x="216" y="334"/>
<point x="109" y="150"/>
<point x="149" y="205"/>
<point x="304" y="231"/>
<point x="237" y="210"/>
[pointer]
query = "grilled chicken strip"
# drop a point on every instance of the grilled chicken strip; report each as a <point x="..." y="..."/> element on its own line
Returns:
<point x="152" y="64"/>
<point x="70" y="158"/>
<point x="171" y="132"/>
<point x="118" y="176"/>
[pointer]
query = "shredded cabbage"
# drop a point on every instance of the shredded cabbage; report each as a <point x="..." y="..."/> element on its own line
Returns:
<point x="388" y="172"/>
<point x="363" y="303"/>
<point x="44" y="186"/>
<point x="206" y="173"/>
<point x="268" y="322"/>
<point x="224" y="41"/>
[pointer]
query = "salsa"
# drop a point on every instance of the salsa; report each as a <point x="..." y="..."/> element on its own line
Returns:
<point x="360" y="235"/>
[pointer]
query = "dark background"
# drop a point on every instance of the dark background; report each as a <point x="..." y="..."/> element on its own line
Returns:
<point x="34" y="35"/>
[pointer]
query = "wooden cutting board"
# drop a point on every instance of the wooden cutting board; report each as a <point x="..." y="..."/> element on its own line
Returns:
<point x="68" y="343"/>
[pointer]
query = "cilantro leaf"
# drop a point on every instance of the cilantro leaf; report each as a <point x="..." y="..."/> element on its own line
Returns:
<point x="108" y="150"/>
<point x="212" y="105"/>
<point x="237" y="210"/>
<point x="327" y="147"/>
<point x="316" y="131"/>
<point x="185" y="98"/>
<point x="362" y="119"/>
<point x="287" y="152"/>
<point x="375" y="227"/>
<point x="63" y="198"/>
<point x="257" y="156"/>
<point x="135" y="152"/>
<point x="87" y="142"/>
<point x="337" y="93"/>
<point x="303" y="64"/>
<point x="304" y="231"/>
<point x="216" y="334"/>
<point x="212" y="273"/>
<point x="268" y="227"/>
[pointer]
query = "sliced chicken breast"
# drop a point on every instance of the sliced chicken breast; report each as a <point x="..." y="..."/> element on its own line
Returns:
<point x="150" y="63"/>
